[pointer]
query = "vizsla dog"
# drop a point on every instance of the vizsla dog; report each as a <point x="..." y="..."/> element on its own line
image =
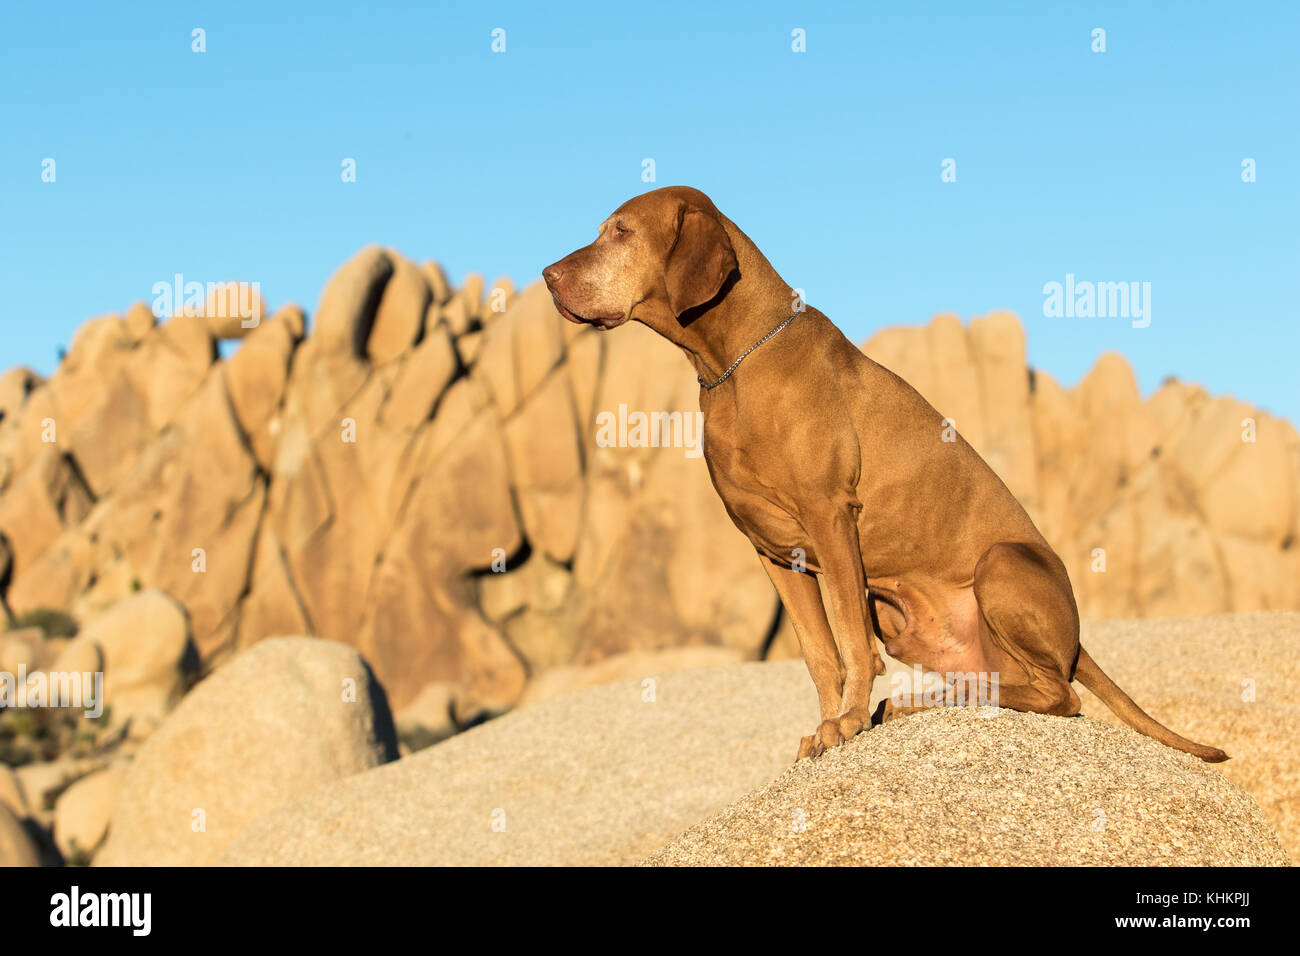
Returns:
<point x="821" y="454"/>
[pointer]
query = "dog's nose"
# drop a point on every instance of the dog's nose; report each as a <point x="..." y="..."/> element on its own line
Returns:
<point x="552" y="273"/>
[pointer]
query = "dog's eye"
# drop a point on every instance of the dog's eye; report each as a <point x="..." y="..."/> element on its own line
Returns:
<point x="621" y="230"/>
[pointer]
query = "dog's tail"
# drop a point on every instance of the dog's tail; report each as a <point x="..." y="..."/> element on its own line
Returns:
<point x="1091" y="676"/>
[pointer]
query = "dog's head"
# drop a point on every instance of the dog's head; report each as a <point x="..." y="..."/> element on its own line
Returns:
<point x="665" y="249"/>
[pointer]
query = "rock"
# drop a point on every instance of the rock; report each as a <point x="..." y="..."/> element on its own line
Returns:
<point x="422" y="381"/>
<point x="275" y="720"/>
<point x="348" y="304"/>
<point x="635" y="772"/>
<point x="107" y="440"/>
<point x="11" y="792"/>
<point x="41" y="782"/>
<point x="45" y="497"/>
<point x="147" y="654"/>
<point x="429" y="717"/>
<point x="20" y="648"/>
<point x="438" y="284"/>
<point x="238" y="490"/>
<point x="471" y="293"/>
<point x="138" y="322"/>
<point x="82" y="812"/>
<point x="256" y="377"/>
<point x="546" y="468"/>
<point x="169" y="364"/>
<point x="196" y="542"/>
<point x="468" y="346"/>
<point x="15" y="385"/>
<point x="639" y="665"/>
<point x="233" y="309"/>
<point x="1224" y="679"/>
<point x="539" y="338"/>
<point x="399" y="320"/>
<point x="17" y="848"/>
<point x="956" y="788"/>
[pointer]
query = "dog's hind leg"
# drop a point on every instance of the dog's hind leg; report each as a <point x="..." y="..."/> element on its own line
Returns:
<point x="1029" y="625"/>
<point x="802" y="600"/>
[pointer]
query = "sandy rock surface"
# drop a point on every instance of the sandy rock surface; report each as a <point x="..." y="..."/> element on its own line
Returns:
<point x="955" y="787"/>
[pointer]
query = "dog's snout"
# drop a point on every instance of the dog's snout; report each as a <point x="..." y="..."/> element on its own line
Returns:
<point x="552" y="273"/>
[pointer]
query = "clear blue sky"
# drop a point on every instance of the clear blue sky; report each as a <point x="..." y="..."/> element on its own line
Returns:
<point x="1122" y="166"/>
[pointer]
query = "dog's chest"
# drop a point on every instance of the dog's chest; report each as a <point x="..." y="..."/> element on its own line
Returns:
<point x="756" y="504"/>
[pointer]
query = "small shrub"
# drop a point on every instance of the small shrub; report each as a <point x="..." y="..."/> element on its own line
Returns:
<point x="53" y="623"/>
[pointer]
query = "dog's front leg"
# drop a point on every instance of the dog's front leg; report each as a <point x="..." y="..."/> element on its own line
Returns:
<point x="836" y="545"/>
<point x="802" y="600"/>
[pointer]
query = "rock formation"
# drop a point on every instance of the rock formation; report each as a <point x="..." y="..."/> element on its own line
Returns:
<point x="423" y="476"/>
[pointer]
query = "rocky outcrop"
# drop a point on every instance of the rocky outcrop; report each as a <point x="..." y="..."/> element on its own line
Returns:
<point x="610" y="774"/>
<point x="424" y="477"/>
<point x="957" y="788"/>
<point x="281" y="719"/>
<point x="1179" y="504"/>
<point x="598" y="777"/>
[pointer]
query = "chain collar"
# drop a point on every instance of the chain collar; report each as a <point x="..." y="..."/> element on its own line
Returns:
<point x="727" y="374"/>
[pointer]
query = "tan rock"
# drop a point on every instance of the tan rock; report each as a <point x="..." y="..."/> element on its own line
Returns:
<point x="20" y="648"/>
<point x="428" y="718"/>
<point x="147" y="654"/>
<point x="471" y="293"/>
<point x="348" y="304"/>
<point x="83" y="811"/>
<point x="546" y="467"/>
<point x="1011" y="790"/>
<point x="399" y="320"/>
<point x="643" y="666"/>
<point x="282" y="718"/>
<point x="107" y="441"/>
<point x="43" y="499"/>
<point x="272" y="605"/>
<point x="437" y="279"/>
<point x="17" y="848"/>
<point x="1266" y="512"/>
<point x="468" y="346"/>
<point x="636" y="771"/>
<point x="233" y="309"/>
<point x="59" y="574"/>
<point x="138" y="322"/>
<point x="256" y="377"/>
<point x="538" y="338"/>
<point x="15" y="385"/>
<point x="11" y="792"/>
<point x="423" y="378"/>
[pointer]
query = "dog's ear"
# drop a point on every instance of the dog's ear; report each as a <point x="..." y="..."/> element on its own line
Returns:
<point x="699" y="261"/>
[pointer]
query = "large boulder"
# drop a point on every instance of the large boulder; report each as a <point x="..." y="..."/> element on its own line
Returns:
<point x="955" y="787"/>
<point x="602" y="776"/>
<point x="277" y="721"/>
<point x="1225" y="680"/>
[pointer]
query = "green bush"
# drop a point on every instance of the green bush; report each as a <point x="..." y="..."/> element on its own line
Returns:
<point x="53" y="623"/>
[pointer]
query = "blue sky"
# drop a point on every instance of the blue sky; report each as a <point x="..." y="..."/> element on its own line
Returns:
<point x="1115" y="166"/>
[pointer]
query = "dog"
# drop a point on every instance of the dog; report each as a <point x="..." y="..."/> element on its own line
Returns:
<point x="825" y="459"/>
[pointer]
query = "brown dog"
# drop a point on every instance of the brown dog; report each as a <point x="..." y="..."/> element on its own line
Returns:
<point x="821" y="454"/>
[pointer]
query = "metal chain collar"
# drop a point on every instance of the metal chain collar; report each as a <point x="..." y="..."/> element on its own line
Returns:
<point x="727" y="374"/>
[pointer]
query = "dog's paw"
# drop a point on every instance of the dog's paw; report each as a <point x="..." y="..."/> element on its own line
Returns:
<point x="831" y="733"/>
